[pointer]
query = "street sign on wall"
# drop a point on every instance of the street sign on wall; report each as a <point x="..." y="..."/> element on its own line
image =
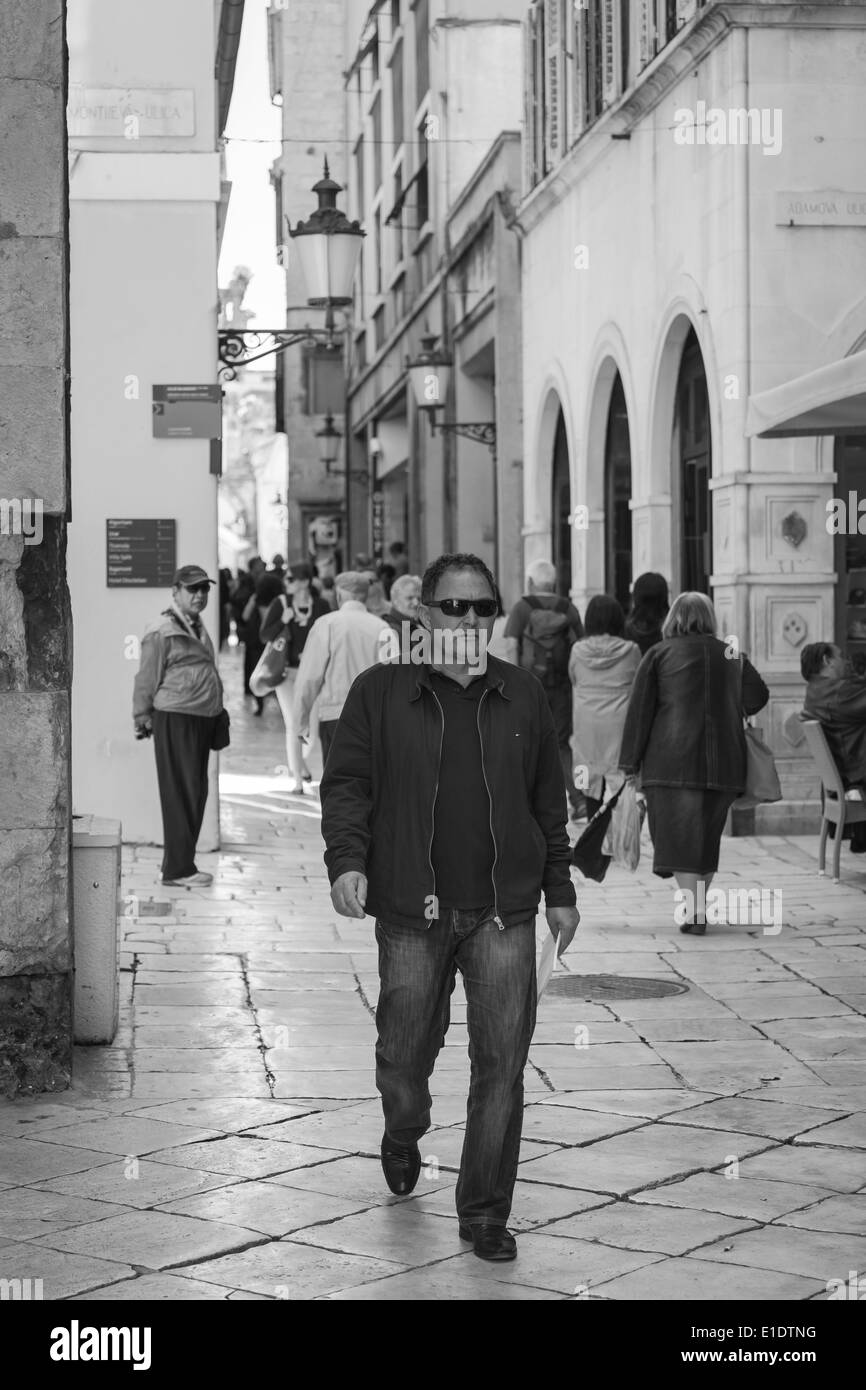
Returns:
<point x="140" y="554"/>
<point x="187" y="412"/>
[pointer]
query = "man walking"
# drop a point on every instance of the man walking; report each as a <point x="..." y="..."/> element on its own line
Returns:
<point x="178" y="696"/>
<point x="340" y="646"/>
<point x="443" y="813"/>
<point x="541" y="630"/>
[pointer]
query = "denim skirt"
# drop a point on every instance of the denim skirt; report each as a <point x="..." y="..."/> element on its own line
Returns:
<point x="686" y="825"/>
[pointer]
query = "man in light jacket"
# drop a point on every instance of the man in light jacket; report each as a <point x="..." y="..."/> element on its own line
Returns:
<point x="340" y="646"/>
<point x="177" y="698"/>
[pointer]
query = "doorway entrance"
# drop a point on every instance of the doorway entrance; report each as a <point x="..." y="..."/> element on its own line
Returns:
<point x="561" y="509"/>
<point x="693" y="450"/>
<point x="617" y="499"/>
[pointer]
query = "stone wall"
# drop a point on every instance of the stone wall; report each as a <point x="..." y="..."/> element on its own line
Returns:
<point x="35" y="616"/>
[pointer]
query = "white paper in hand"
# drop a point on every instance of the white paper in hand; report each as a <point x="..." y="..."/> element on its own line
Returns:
<point x="547" y="961"/>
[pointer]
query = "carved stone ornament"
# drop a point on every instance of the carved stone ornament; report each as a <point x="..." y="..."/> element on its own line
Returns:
<point x="794" y="529"/>
<point x="794" y="629"/>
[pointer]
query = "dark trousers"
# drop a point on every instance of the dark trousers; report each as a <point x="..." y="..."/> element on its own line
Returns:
<point x="417" y="968"/>
<point x="182" y="746"/>
<point x="327" y="729"/>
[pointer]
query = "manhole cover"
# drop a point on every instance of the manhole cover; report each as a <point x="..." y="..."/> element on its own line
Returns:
<point x="613" y="987"/>
<point x="154" y="909"/>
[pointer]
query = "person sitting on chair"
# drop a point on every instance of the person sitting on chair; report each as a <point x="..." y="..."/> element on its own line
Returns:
<point x="836" y="697"/>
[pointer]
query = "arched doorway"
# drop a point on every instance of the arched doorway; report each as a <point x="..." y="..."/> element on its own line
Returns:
<point x="693" y="451"/>
<point x="849" y="461"/>
<point x="560" y="510"/>
<point x="617" y="498"/>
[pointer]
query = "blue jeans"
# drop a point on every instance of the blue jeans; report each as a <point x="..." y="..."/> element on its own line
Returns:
<point x="418" y="968"/>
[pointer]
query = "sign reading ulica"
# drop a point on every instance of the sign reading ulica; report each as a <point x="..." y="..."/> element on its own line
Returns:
<point x="112" y="112"/>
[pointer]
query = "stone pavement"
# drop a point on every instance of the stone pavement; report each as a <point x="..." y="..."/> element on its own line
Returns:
<point x="704" y="1145"/>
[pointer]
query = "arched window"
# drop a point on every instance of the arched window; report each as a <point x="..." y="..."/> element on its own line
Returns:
<point x="560" y="510"/>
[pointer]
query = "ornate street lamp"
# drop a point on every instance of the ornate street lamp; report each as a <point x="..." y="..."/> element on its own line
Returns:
<point x="328" y="247"/>
<point x="331" y="439"/>
<point x="430" y="376"/>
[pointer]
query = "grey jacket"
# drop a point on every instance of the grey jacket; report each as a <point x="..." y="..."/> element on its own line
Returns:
<point x="178" y="672"/>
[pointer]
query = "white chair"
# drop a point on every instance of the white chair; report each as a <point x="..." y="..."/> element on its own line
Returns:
<point x="840" y="808"/>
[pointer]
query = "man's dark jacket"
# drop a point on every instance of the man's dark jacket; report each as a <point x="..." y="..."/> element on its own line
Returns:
<point x="839" y="705"/>
<point x="379" y="792"/>
<point x="684" y="725"/>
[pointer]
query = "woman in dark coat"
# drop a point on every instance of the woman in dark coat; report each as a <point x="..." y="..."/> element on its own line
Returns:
<point x="684" y="736"/>
<point x="649" y="608"/>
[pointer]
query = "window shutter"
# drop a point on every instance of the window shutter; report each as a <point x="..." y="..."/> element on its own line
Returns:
<point x="645" y="32"/>
<point x="578" y="70"/>
<point x="610" y="49"/>
<point x="530" y="100"/>
<point x="554" y="52"/>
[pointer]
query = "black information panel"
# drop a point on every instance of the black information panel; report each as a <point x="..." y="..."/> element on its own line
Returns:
<point x="141" y="554"/>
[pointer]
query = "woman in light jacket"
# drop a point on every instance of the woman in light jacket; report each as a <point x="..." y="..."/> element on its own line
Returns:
<point x="602" y="668"/>
<point x="684" y="736"/>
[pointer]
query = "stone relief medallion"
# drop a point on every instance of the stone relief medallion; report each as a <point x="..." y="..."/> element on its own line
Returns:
<point x="794" y="529"/>
<point x="793" y="730"/>
<point x="794" y="629"/>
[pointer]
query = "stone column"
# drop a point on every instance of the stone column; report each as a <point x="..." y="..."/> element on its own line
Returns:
<point x="35" y="616"/>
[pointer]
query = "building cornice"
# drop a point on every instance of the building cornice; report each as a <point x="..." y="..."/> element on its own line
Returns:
<point x="675" y="61"/>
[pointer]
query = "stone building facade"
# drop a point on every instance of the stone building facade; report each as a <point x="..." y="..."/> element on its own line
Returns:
<point x="666" y="282"/>
<point x="35" y="620"/>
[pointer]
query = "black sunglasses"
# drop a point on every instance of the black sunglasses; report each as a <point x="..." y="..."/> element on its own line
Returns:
<point x="459" y="607"/>
<point x="197" y="588"/>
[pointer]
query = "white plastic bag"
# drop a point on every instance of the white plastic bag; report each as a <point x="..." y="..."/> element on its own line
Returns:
<point x="625" y="828"/>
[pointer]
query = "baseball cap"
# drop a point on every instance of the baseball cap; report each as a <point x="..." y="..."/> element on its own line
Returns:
<point x="192" y="574"/>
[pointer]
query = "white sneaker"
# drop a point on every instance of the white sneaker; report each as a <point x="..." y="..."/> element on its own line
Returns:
<point x="197" y="880"/>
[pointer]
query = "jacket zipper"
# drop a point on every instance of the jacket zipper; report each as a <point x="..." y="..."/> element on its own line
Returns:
<point x="435" y="794"/>
<point x="497" y="919"/>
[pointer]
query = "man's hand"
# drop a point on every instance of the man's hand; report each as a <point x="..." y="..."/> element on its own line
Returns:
<point x="143" y="727"/>
<point x="349" y="894"/>
<point x="563" y="922"/>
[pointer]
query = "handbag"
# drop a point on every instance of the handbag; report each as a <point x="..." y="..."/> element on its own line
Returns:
<point x="271" y="668"/>
<point x="588" y="855"/>
<point x="220" y="736"/>
<point x="762" y="779"/>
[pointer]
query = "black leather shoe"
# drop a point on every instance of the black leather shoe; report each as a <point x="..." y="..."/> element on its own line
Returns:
<point x="694" y="929"/>
<point x="401" y="1165"/>
<point x="490" y="1242"/>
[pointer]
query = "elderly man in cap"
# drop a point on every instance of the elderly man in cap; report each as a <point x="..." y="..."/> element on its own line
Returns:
<point x="340" y="646"/>
<point x="178" y="698"/>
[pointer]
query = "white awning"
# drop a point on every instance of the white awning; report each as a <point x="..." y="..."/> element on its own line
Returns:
<point x="831" y="400"/>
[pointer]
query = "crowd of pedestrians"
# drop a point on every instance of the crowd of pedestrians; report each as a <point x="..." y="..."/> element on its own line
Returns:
<point x="447" y="780"/>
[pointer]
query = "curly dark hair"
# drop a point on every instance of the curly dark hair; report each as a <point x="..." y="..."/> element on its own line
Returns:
<point x="459" y="561"/>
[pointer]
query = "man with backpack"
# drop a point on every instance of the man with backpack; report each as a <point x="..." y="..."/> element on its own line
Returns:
<point x="542" y="628"/>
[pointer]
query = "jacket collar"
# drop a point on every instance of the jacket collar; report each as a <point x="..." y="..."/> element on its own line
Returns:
<point x="495" y="678"/>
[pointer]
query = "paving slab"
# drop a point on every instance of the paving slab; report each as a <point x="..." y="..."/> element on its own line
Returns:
<point x="840" y="1170"/>
<point x="157" y="1288"/>
<point x="450" y="1281"/>
<point x="659" y="1229"/>
<point x="135" y="1182"/>
<point x="767" y="1117"/>
<point x="821" y="1255"/>
<point x="26" y="1213"/>
<point x="229" y="1116"/>
<point x="127" y="1134"/>
<point x="749" y="1197"/>
<point x="690" y="1279"/>
<point x="271" y="1208"/>
<point x="354" y="1179"/>
<point x="848" y="1133"/>
<point x="150" y="1239"/>
<point x="245" y="1156"/>
<point x="288" y="1270"/>
<point x="534" y="1204"/>
<point x="642" y="1158"/>
<point x="843" y="1214"/>
<point x="30" y="1160"/>
<point x="62" y="1274"/>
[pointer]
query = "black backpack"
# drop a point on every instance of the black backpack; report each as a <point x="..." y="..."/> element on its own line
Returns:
<point x="546" y="641"/>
